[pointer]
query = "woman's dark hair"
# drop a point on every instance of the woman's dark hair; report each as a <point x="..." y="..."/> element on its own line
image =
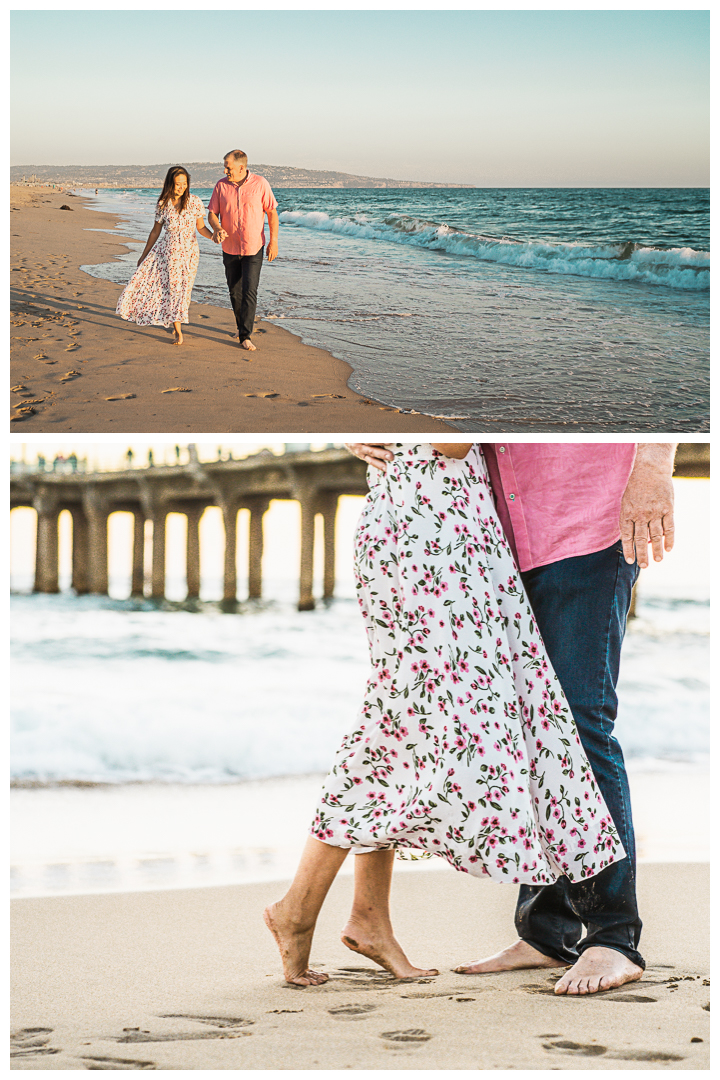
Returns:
<point x="168" y="190"/>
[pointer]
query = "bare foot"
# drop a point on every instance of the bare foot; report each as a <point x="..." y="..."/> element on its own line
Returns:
<point x="598" y="969"/>
<point x="177" y="337"/>
<point x="385" y="951"/>
<point x="517" y="955"/>
<point x="294" y="945"/>
<point x="248" y="345"/>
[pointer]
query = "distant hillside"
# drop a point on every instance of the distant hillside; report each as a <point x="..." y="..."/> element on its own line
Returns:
<point x="203" y="174"/>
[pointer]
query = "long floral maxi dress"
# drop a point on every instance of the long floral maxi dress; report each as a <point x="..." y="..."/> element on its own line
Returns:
<point x="465" y="745"/>
<point x="158" y="293"/>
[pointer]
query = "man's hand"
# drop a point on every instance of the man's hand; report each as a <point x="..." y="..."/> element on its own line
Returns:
<point x="646" y="511"/>
<point x="272" y="250"/>
<point x="375" y="454"/>
<point x="219" y="235"/>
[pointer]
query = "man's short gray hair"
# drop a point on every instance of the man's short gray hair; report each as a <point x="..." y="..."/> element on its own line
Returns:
<point x="237" y="155"/>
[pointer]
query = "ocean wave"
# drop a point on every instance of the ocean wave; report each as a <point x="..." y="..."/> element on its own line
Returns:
<point x="678" y="268"/>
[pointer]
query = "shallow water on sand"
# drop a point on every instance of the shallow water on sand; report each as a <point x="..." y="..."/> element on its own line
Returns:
<point x="534" y="310"/>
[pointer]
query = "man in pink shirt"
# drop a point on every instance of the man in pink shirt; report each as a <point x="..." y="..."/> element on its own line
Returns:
<point x="579" y="518"/>
<point x="236" y="214"/>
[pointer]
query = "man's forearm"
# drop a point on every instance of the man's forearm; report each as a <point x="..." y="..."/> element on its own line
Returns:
<point x="660" y="455"/>
<point x="214" y="221"/>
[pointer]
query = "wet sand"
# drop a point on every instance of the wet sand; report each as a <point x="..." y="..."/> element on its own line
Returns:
<point x="189" y="979"/>
<point x="77" y="367"/>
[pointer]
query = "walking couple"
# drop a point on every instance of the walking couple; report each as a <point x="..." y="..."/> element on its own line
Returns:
<point x="494" y="582"/>
<point x="158" y="293"/>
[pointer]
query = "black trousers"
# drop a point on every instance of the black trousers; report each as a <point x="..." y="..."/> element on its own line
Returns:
<point x="581" y="606"/>
<point x="242" y="273"/>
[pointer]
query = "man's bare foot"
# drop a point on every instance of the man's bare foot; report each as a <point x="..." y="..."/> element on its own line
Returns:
<point x="598" y="969"/>
<point x="518" y="955"/>
<point x="383" y="950"/>
<point x="247" y="344"/>
<point x="294" y="945"/>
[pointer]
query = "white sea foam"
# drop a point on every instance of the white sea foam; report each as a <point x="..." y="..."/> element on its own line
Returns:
<point x="679" y="268"/>
<point x="112" y="692"/>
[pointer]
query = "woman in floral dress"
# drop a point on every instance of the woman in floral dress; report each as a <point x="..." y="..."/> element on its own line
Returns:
<point x="158" y="293"/>
<point x="465" y="745"/>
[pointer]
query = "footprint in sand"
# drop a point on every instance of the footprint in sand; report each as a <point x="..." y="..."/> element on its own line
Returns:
<point x="31" y="1042"/>
<point x="72" y="346"/>
<point x="337" y="396"/>
<point x="183" y="1036"/>
<point x="566" y="1046"/>
<point x="98" y="1062"/>
<point x="411" y="1035"/>
<point x="40" y="356"/>
<point x="214" y="1021"/>
<point x="177" y="390"/>
<point x="352" y="1012"/>
<point x="17" y="389"/>
<point x="119" y="397"/>
<point x="266" y="394"/>
<point x="24" y="412"/>
<point x="69" y="375"/>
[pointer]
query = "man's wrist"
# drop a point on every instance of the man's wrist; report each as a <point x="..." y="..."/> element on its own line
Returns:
<point x="656" y="455"/>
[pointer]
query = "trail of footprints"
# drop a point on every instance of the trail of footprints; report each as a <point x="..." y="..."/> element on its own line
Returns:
<point x="37" y="1042"/>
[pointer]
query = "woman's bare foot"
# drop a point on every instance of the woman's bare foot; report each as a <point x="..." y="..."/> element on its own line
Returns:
<point x="517" y="955"/>
<point x="247" y="345"/>
<point x="598" y="969"/>
<point x="382" y="949"/>
<point x="177" y="336"/>
<point x="294" y="945"/>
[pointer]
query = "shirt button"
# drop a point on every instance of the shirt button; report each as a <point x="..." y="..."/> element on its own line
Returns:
<point x="511" y="497"/>
<point x="502" y="449"/>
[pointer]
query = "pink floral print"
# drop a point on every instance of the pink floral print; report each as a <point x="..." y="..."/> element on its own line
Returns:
<point x="158" y="293"/>
<point x="465" y="745"/>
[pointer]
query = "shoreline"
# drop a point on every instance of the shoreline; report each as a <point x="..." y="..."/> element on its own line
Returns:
<point x="191" y="980"/>
<point x="77" y="367"/>
<point x="104" y="838"/>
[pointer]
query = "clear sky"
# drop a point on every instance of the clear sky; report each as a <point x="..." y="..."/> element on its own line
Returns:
<point x="495" y="98"/>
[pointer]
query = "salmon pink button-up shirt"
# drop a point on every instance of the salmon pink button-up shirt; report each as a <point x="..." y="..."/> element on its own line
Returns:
<point x="242" y="209"/>
<point x="558" y="500"/>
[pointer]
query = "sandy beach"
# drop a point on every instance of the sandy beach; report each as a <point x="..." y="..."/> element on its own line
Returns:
<point x="189" y="979"/>
<point x="77" y="367"/>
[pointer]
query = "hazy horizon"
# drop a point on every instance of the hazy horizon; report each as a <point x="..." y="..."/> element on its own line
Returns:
<point x="522" y="99"/>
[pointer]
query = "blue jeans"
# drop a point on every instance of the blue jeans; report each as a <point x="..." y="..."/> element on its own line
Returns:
<point x="581" y="607"/>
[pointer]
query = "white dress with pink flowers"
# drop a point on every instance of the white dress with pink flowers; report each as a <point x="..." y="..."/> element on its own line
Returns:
<point x="465" y="745"/>
<point x="158" y="293"/>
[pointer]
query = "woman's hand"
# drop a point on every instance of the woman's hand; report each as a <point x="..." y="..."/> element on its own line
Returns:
<point x="374" y="454"/>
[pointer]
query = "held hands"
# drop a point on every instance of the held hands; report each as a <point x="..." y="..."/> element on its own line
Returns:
<point x="219" y="235"/>
<point x="646" y="511"/>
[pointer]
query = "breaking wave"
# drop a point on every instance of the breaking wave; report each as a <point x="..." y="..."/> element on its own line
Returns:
<point x="676" y="268"/>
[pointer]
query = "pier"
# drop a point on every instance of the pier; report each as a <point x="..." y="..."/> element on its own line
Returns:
<point x="314" y="479"/>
